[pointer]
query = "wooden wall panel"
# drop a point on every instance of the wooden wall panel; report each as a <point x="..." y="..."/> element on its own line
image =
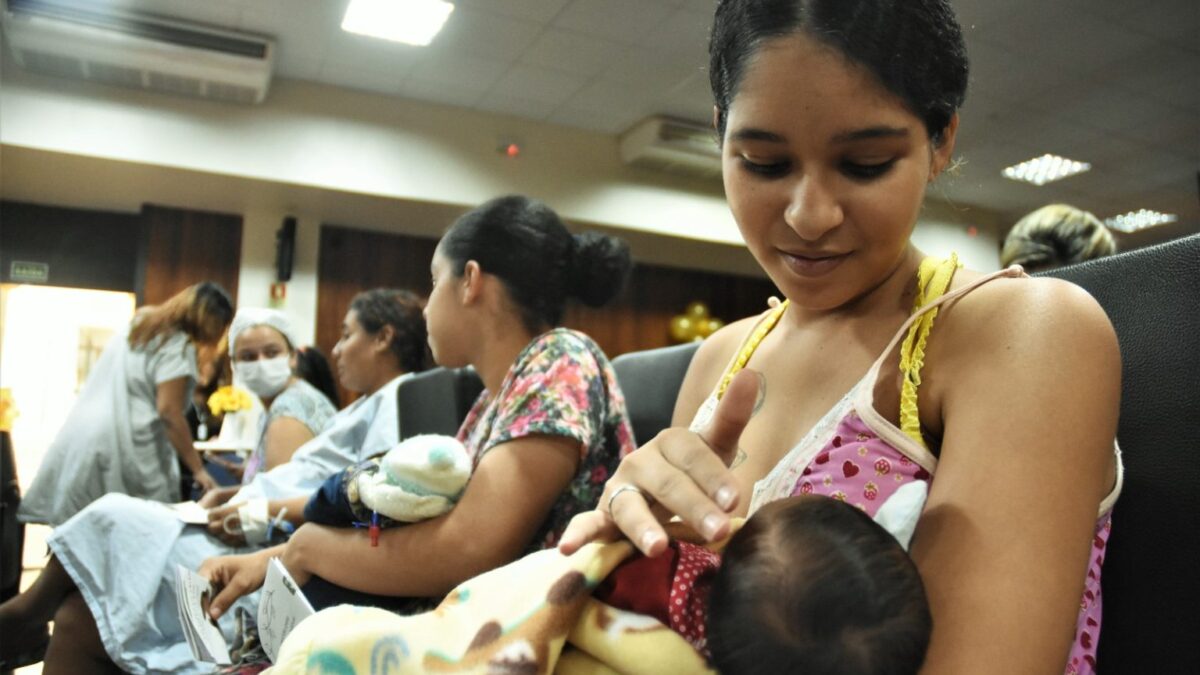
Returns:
<point x="351" y="261"/>
<point x="355" y="260"/>
<point x="187" y="247"/>
<point x="639" y="318"/>
<point x="83" y="248"/>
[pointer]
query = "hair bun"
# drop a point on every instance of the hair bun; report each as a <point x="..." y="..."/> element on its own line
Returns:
<point x="600" y="264"/>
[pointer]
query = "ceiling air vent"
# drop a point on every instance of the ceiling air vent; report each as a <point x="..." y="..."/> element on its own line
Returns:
<point x="672" y="145"/>
<point x="139" y="51"/>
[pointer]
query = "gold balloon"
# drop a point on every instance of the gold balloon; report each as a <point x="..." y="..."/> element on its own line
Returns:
<point x="683" y="329"/>
<point x="696" y="310"/>
<point x="712" y="325"/>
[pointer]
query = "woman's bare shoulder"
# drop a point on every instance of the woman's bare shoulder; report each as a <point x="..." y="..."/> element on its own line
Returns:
<point x="1039" y="318"/>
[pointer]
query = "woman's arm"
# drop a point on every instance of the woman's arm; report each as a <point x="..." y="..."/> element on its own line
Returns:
<point x="1030" y="390"/>
<point x="170" y="398"/>
<point x="282" y="438"/>
<point x="508" y="498"/>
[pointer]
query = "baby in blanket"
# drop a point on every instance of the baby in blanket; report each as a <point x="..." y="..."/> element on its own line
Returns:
<point x="422" y="477"/>
<point x="807" y="585"/>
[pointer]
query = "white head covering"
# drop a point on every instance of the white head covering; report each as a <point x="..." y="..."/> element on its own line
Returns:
<point x="249" y="317"/>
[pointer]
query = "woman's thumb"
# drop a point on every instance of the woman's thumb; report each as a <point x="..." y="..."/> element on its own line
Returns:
<point x="732" y="414"/>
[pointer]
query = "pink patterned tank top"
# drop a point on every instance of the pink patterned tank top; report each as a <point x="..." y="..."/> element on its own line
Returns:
<point x="856" y="455"/>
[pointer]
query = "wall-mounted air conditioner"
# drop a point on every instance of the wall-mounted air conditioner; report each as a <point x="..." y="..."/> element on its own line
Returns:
<point x="672" y="145"/>
<point x="140" y="51"/>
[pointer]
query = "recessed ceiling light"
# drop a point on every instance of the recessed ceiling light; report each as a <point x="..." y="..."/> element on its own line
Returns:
<point x="1139" y="220"/>
<point x="1044" y="169"/>
<point x="413" y="22"/>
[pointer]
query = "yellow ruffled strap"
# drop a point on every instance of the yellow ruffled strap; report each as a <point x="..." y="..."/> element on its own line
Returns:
<point x="933" y="279"/>
<point x="751" y="344"/>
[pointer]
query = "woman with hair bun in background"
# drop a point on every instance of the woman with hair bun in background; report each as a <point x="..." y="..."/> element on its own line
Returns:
<point x="1055" y="236"/>
<point x="545" y="433"/>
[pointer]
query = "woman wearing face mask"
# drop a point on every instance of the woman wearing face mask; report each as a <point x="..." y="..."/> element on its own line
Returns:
<point x="262" y="353"/>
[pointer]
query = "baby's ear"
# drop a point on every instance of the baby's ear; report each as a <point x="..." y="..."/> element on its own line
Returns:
<point x="899" y="514"/>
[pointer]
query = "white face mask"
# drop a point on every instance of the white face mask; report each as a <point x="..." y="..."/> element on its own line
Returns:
<point x="264" y="377"/>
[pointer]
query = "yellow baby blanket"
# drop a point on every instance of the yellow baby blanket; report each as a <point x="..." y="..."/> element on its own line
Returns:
<point x="535" y="615"/>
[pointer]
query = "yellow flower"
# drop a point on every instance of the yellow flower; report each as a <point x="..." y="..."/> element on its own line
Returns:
<point x="8" y="409"/>
<point x="229" y="399"/>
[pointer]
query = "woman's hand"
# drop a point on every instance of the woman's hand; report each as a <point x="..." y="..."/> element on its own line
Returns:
<point x="206" y="482"/>
<point x="215" y="498"/>
<point x="678" y="473"/>
<point x="225" y="524"/>
<point x="234" y="576"/>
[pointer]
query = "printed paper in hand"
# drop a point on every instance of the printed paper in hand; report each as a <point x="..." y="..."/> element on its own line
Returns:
<point x="281" y="607"/>
<point x="193" y="592"/>
<point x="190" y="513"/>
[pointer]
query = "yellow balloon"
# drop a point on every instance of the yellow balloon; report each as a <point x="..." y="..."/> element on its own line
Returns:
<point x="697" y="310"/>
<point x="683" y="328"/>
<point x="712" y="326"/>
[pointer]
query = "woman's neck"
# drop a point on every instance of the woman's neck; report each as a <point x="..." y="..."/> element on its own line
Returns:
<point x="386" y="374"/>
<point x="498" y="352"/>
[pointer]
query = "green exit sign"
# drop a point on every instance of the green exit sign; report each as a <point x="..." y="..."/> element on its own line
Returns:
<point x="26" y="271"/>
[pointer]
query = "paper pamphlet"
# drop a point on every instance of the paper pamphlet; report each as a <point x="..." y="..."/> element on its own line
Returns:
<point x="190" y="513"/>
<point x="281" y="607"/>
<point x="193" y="592"/>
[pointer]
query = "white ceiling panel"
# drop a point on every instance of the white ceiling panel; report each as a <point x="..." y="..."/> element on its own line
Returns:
<point x="484" y="35"/>
<point x="1112" y="82"/>
<point x="616" y="20"/>
<point x="540" y="11"/>
<point x="571" y="52"/>
<point x="459" y="71"/>
<point x="547" y="87"/>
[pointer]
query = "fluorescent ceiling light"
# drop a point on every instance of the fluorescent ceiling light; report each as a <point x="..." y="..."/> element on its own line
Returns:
<point x="1044" y="169"/>
<point x="1139" y="220"/>
<point x="413" y="22"/>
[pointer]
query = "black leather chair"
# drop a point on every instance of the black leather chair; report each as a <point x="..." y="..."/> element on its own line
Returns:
<point x="1151" y="586"/>
<point x="650" y="380"/>
<point x="436" y="401"/>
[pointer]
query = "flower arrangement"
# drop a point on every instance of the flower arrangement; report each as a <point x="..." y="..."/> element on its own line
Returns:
<point x="229" y="399"/>
<point x="8" y="409"/>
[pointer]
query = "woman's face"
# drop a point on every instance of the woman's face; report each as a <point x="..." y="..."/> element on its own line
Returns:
<point x="260" y="342"/>
<point x="445" y="330"/>
<point x="825" y="171"/>
<point x="356" y="353"/>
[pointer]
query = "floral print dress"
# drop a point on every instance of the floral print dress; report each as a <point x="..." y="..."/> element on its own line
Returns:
<point x="561" y="384"/>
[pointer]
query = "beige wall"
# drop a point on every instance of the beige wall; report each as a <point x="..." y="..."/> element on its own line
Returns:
<point x="331" y="155"/>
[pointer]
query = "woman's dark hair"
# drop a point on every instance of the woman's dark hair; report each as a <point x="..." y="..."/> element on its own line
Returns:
<point x="813" y="585"/>
<point x="524" y="243"/>
<point x="914" y="47"/>
<point x="202" y="310"/>
<point x="403" y="311"/>
<point x="313" y="367"/>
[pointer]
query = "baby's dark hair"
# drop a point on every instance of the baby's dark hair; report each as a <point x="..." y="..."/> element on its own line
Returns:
<point x="524" y="243"/>
<point x="813" y="585"/>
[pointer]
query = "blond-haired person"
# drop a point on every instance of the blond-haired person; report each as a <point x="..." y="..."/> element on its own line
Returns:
<point x="127" y="428"/>
<point x="1055" y="236"/>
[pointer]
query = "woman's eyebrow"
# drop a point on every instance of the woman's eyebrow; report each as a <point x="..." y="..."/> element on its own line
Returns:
<point x="870" y="132"/>
<point x="749" y="134"/>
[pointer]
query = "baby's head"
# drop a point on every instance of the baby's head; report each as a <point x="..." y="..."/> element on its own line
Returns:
<point x="813" y="585"/>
